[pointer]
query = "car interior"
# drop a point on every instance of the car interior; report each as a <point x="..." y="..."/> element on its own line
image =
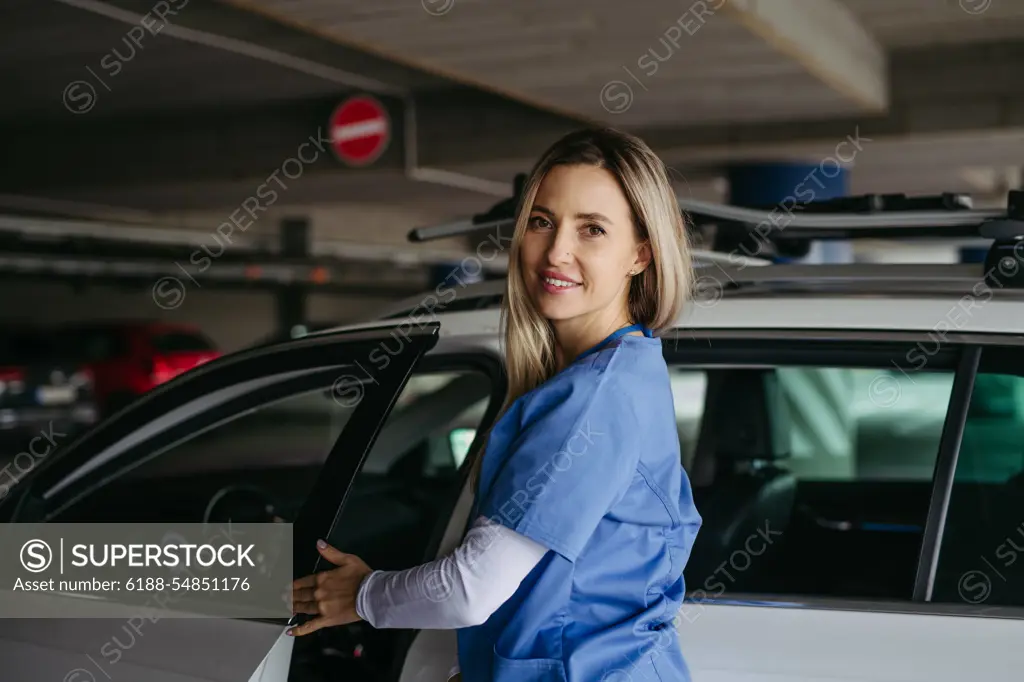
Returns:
<point x="739" y="490"/>
<point x="847" y="520"/>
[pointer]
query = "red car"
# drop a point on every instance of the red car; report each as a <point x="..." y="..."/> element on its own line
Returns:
<point x="127" y="359"/>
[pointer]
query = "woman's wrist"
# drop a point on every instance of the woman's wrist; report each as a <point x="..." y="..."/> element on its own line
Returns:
<point x="363" y="607"/>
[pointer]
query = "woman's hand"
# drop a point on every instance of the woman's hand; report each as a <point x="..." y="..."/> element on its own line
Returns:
<point x="331" y="595"/>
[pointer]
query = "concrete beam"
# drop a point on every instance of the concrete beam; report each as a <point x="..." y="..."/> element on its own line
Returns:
<point x="265" y="41"/>
<point x="248" y="145"/>
<point x="937" y="92"/>
<point x="826" y="39"/>
<point x="155" y="149"/>
<point x="950" y="91"/>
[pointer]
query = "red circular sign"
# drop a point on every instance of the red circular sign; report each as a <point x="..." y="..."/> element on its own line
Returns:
<point x="360" y="130"/>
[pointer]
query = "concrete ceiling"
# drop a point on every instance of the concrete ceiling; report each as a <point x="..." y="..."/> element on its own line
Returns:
<point x="137" y="57"/>
<point x="715" y="81"/>
<point x="200" y="113"/>
<point x="684" y="63"/>
<point x="59" y="47"/>
<point x="918" y="23"/>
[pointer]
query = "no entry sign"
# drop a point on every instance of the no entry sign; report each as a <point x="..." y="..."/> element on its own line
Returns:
<point x="360" y="130"/>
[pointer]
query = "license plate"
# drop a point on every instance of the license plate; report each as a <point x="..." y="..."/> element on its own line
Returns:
<point x="51" y="395"/>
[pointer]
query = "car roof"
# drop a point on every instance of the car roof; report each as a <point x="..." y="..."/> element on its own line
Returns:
<point x="900" y="279"/>
<point x="894" y="297"/>
<point x="937" y="315"/>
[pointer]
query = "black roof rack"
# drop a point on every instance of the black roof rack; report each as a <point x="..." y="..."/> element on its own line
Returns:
<point x="788" y="230"/>
<point x="871" y="215"/>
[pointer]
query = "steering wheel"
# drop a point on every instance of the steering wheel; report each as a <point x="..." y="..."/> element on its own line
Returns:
<point x="241" y="504"/>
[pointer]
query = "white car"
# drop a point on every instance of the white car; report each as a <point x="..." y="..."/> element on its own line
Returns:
<point x="854" y="435"/>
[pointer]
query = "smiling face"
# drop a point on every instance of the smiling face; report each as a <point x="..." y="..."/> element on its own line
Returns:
<point x="579" y="248"/>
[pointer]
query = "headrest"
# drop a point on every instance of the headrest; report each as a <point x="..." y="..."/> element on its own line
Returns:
<point x="750" y="418"/>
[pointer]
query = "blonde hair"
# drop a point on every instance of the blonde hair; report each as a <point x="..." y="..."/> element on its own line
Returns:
<point x="656" y="295"/>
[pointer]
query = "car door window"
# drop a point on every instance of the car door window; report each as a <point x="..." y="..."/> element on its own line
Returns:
<point x="402" y="496"/>
<point x="689" y="390"/>
<point x="258" y="466"/>
<point x="234" y="421"/>
<point x="866" y="439"/>
<point x="461" y="440"/>
<point x="813" y="478"/>
<point x="981" y="559"/>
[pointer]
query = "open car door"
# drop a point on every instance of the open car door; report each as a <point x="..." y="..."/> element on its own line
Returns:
<point x="273" y="434"/>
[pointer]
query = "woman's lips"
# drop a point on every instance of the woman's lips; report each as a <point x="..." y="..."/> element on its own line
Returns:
<point x="557" y="285"/>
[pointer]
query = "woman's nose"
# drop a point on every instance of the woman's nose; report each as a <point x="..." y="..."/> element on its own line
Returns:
<point x="562" y="247"/>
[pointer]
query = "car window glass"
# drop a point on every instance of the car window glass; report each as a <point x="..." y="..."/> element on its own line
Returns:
<point x="261" y="465"/>
<point x="460" y="440"/>
<point x="399" y="497"/>
<point x="804" y="476"/>
<point x="981" y="558"/>
<point x="688" y="393"/>
<point x="896" y="422"/>
<point x="257" y="466"/>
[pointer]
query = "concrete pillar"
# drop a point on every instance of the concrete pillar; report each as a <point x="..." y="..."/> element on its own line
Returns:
<point x="291" y="299"/>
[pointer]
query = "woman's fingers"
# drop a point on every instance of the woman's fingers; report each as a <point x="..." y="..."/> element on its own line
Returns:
<point x="333" y="555"/>
<point x="309" y="626"/>
<point x="303" y="594"/>
<point x="318" y="623"/>
<point x="324" y="585"/>
<point x="310" y="608"/>
<point x="329" y="594"/>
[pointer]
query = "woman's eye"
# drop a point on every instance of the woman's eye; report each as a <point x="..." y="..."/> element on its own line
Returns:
<point x="539" y="222"/>
<point x="595" y="230"/>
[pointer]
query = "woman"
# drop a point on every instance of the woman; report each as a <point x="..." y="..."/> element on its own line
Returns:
<point x="573" y="567"/>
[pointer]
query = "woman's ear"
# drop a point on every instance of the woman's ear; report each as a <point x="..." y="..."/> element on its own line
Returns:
<point x="643" y="257"/>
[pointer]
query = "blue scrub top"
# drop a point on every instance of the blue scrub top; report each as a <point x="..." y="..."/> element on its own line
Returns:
<point x="588" y="464"/>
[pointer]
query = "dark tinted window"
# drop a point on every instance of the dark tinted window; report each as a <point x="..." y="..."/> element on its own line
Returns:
<point x="180" y="342"/>
<point x="399" y="497"/>
<point x="982" y="552"/>
<point x="258" y="465"/>
<point x="811" y="480"/>
<point x="263" y="463"/>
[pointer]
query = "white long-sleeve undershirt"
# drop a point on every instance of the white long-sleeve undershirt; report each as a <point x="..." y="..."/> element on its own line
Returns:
<point x="459" y="590"/>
